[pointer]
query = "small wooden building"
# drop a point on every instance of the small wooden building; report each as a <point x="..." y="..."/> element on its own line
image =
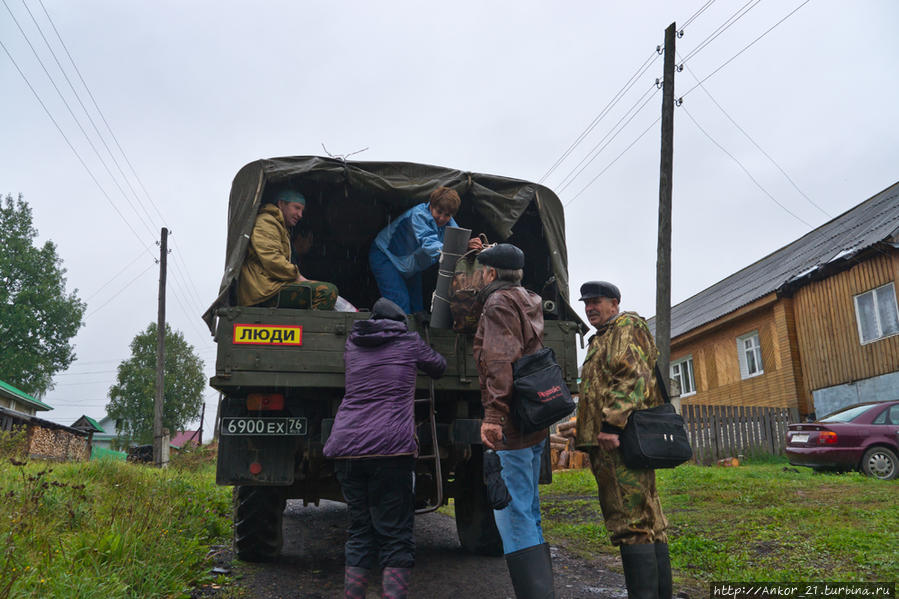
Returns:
<point x="813" y="326"/>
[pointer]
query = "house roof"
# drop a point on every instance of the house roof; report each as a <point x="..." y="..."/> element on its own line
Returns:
<point x="873" y="221"/>
<point x="182" y="437"/>
<point x="7" y="390"/>
<point x="90" y="422"/>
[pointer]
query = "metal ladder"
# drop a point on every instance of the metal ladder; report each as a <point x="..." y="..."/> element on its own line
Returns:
<point x="435" y="451"/>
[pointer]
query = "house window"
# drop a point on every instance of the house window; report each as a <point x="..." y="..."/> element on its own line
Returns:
<point x="682" y="372"/>
<point x="749" y="351"/>
<point x="876" y="313"/>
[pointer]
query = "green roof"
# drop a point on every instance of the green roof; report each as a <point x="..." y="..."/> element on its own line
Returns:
<point x="8" y="390"/>
<point x="93" y="423"/>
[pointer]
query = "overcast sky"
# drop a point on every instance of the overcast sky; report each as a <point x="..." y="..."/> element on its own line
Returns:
<point x="194" y="90"/>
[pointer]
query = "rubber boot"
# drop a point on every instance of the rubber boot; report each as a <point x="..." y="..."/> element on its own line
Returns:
<point x="641" y="573"/>
<point x="395" y="582"/>
<point x="663" y="563"/>
<point x="531" y="571"/>
<point x="355" y="580"/>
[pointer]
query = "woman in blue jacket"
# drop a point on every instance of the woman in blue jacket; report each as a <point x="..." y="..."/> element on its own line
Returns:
<point x="410" y="245"/>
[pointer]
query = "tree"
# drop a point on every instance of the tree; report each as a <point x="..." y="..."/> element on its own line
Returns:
<point x="131" y="398"/>
<point x="37" y="318"/>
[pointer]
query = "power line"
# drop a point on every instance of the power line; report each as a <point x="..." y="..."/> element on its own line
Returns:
<point x="608" y="166"/>
<point x="114" y="277"/>
<point x="615" y="99"/>
<point x="75" y="118"/>
<point x="91" y="120"/>
<point x="100" y="112"/>
<point x="741" y="12"/>
<point x="633" y="111"/>
<point x="696" y="14"/>
<point x="745" y="170"/>
<point x="729" y="60"/>
<point x="192" y="286"/>
<point x="74" y="151"/>
<point x="127" y="285"/>
<point x="760" y="149"/>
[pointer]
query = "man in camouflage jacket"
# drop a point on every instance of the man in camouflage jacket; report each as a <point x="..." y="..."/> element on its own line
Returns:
<point x="618" y="378"/>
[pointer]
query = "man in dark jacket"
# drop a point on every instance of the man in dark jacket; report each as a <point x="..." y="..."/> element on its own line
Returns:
<point x="511" y="326"/>
<point x="373" y="444"/>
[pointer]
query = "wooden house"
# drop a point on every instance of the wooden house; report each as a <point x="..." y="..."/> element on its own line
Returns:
<point x="813" y="326"/>
<point x="19" y="401"/>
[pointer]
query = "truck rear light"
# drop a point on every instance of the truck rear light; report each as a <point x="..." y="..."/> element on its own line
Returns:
<point x="827" y="438"/>
<point x="265" y="401"/>
<point x="255" y="468"/>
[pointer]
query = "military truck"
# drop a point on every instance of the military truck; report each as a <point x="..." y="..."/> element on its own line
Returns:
<point x="281" y="371"/>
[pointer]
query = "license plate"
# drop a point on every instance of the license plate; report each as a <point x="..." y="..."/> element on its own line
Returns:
<point x="272" y="427"/>
<point x="799" y="439"/>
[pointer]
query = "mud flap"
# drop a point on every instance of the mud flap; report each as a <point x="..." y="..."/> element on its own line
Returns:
<point x="239" y="457"/>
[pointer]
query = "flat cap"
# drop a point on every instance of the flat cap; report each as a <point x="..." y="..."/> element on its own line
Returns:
<point x="384" y="308"/>
<point x="502" y="255"/>
<point x="592" y="289"/>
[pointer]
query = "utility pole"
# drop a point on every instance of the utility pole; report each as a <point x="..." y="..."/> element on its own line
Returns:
<point x="663" y="262"/>
<point x="202" y="418"/>
<point x="160" y="436"/>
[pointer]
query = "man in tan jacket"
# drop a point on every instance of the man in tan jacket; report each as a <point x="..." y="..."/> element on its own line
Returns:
<point x="268" y="277"/>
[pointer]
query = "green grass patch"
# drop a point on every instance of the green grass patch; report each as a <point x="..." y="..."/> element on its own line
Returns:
<point x="761" y="521"/>
<point x="107" y="529"/>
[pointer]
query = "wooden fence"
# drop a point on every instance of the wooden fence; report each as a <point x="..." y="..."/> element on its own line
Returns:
<point x="718" y="432"/>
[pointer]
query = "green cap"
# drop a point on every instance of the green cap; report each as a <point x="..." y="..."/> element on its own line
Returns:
<point x="290" y="195"/>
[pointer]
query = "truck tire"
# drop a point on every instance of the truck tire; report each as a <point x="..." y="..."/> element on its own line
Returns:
<point x="474" y="517"/>
<point x="258" y="514"/>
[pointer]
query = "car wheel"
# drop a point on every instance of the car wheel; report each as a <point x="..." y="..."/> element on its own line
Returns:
<point x="880" y="462"/>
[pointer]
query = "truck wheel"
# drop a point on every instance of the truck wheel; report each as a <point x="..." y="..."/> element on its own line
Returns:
<point x="258" y="512"/>
<point x="474" y="517"/>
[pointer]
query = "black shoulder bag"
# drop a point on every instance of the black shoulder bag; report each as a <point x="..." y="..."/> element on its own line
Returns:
<point x="655" y="437"/>
<point x="541" y="396"/>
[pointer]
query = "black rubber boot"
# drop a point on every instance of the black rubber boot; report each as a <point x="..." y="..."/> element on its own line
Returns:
<point x="663" y="563"/>
<point x="395" y="582"/>
<point x="355" y="580"/>
<point x="531" y="570"/>
<point x="641" y="574"/>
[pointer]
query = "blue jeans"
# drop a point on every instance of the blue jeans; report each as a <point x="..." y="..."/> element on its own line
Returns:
<point x="519" y="522"/>
<point x="405" y="293"/>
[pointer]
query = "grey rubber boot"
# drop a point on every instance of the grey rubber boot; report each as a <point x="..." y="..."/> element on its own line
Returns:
<point x="641" y="571"/>
<point x="663" y="563"/>
<point x="531" y="571"/>
<point x="395" y="582"/>
<point x="355" y="580"/>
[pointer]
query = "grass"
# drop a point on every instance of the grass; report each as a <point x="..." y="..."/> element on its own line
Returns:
<point x="761" y="521"/>
<point x="107" y="528"/>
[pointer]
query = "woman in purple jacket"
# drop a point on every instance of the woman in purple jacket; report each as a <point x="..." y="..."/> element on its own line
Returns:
<point x="373" y="444"/>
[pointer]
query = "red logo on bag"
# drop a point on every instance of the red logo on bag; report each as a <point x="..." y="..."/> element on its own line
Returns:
<point x="550" y="393"/>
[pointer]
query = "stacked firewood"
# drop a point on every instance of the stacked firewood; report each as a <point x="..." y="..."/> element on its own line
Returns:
<point x="561" y="445"/>
<point x="52" y="444"/>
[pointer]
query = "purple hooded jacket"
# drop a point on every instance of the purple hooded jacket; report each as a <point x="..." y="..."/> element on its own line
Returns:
<point x="377" y="415"/>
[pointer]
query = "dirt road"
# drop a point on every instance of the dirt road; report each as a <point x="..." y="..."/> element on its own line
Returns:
<point x="311" y="565"/>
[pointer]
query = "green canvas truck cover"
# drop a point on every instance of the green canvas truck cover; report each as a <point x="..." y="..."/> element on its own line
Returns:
<point x="506" y="209"/>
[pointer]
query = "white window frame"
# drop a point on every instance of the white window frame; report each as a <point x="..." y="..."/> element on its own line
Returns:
<point x="877" y="316"/>
<point x="684" y="366"/>
<point x="757" y="353"/>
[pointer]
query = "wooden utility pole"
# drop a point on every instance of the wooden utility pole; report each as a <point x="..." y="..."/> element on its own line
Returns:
<point x="202" y="418"/>
<point x="160" y="437"/>
<point x="663" y="262"/>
